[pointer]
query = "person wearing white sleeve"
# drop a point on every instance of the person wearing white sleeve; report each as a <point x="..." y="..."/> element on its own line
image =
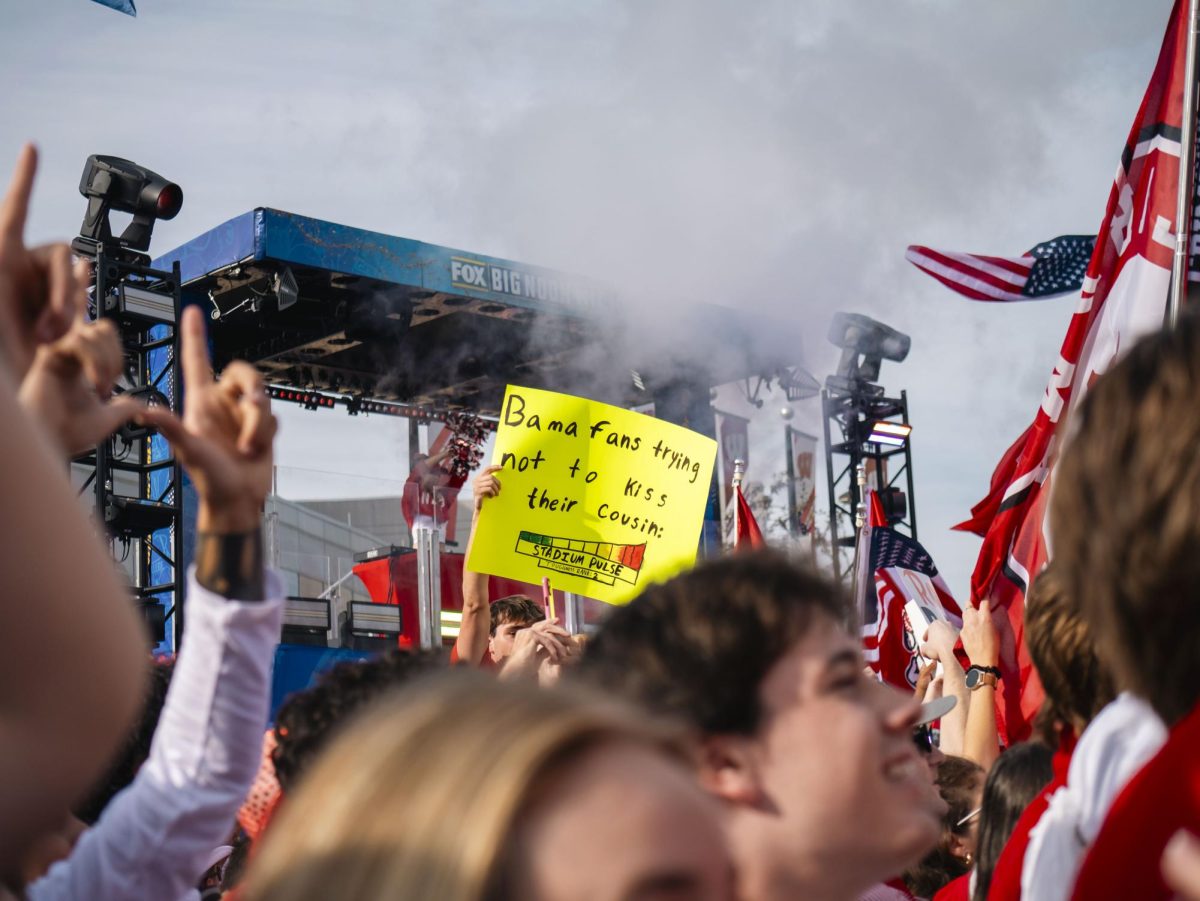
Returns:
<point x="1114" y="746"/>
<point x="156" y="837"/>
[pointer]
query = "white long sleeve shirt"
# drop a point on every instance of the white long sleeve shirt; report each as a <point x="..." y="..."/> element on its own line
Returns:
<point x="1114" y="746"/>
<point x="155" y="838"/>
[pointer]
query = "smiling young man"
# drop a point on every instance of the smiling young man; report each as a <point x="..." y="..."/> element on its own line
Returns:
<point x="823" y="791"/>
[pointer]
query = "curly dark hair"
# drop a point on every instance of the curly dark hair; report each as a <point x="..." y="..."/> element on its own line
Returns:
<point x="700" y="645"/>
<point x="1062" y="647"/>
<point x="136" y="748"/>
<point x="308" y="719"/>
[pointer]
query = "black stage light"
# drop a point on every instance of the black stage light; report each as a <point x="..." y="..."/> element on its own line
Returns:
<point x="863" y="336"/>
<point x="111" y="183"/>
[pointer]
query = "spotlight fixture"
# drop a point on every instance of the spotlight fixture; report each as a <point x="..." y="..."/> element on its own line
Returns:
<point x="893" y="434"/>
<point x="287" y="292"/>
<point x="862" y="336"/>
<point x="373" y="620"/>
<point x="306" y="620"/>
<point x="111" y="183"/>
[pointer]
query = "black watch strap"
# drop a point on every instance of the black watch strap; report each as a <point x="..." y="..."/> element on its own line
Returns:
<point x="994" y="670"/>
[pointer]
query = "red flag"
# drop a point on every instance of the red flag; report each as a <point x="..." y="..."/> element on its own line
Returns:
<point x="894" y="570"/>
<point x="748" y="534"/>
<point x="1124" y="296"/>
<point x="985" y="511"/>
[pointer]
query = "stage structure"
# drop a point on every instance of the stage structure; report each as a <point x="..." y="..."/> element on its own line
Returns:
<point x="865" y="428"/>
<point x="137" y="485"/>
<point x="343" y="318"/>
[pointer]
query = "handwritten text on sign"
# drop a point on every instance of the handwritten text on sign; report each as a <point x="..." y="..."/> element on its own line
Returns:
<point x="601" y="499"/>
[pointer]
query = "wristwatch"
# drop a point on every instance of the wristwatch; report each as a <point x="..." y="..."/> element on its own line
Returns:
<point x="979" y="676"/>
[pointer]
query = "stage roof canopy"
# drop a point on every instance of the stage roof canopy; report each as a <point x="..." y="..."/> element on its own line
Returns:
<point x="326" y="307"/>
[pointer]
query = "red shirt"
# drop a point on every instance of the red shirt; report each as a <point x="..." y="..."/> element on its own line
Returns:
<point x="486" y="663"/>
<point x="956" y="889"/>
<point x="1006" y="877"/>
<point x="1161" y="799"/>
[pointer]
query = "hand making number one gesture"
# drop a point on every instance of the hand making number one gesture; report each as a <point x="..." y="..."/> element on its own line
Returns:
<point x="225" y="437"/>
<point x="40" y="288"/>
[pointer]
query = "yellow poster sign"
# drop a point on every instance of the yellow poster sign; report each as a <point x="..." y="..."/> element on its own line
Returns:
<point x="602" y="500"/>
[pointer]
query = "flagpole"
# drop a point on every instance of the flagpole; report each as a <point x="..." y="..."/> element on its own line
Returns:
<point x="739" y="468"/>
<point x="791" y="480"/>
<point x="1183" y="209"/>
<point x="860" y="519"/>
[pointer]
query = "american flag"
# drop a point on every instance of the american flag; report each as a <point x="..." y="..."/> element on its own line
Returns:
<point x="893" y="570"/>
<point x="1053" y="267"/>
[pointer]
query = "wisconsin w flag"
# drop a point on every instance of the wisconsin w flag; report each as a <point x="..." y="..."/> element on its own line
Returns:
<point x="893" y="570"/>
<point x="1124" y="296"/>
<point x="1052" y="268"/>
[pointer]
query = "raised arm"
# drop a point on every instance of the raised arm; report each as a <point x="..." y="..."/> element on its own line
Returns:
<point x="72" y="653"/>
<point x="981" y="642"/>
<point x="473" y="635"/>
<point x="939" y="646"/>
<point x="154" y="839"/>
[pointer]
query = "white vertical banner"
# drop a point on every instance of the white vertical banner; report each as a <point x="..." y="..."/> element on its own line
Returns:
<point x="802" y="468"/>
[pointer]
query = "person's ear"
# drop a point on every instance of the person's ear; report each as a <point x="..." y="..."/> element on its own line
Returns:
<point x="960" y="847"/>
<point x="729" y="770"/>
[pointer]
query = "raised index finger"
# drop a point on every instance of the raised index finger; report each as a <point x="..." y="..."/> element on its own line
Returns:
<point x="16" y="200"/>
<point x="193" y="350"/>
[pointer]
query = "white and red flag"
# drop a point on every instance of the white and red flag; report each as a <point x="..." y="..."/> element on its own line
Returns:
<point x="894" y="570"/>
<point x="802" y="451"/>
<point x="1050" y="269"/>
<point x="1124" y="296"/>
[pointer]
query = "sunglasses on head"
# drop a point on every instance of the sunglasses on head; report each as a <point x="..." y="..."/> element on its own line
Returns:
<point x="923" y="739"/>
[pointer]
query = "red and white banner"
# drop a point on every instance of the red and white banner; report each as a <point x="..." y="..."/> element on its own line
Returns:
<point x="802" y="451"/>
<point x="1124" y="296"/>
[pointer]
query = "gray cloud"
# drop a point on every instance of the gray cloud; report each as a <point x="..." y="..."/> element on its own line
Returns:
<point x="771" y="156"/>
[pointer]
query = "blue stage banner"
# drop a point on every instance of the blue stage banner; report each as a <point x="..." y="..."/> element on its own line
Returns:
<point x="122" y="6"/>
<point x="298" y="666"/>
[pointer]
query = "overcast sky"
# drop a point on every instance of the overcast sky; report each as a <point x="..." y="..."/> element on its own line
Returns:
<point x="773" y="156"/>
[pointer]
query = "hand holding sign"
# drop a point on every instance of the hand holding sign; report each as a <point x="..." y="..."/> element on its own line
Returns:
<point x="604" y="499"/>
<point x="486" y="485"/>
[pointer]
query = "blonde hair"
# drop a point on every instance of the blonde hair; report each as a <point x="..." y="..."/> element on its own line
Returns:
<point x="421" y="797"/>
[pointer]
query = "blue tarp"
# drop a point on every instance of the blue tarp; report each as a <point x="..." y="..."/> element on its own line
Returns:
<point x="297" y="667"/>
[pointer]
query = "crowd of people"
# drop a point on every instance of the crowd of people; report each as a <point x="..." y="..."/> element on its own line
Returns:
<point x="718" y="738"/>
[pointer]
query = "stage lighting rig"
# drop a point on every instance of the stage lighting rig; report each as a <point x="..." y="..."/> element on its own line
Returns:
<point x="866" y="338"/>
<point x="873" y="428"/>
<point x="138" y="484"/>
<point x="113" y="184"/>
